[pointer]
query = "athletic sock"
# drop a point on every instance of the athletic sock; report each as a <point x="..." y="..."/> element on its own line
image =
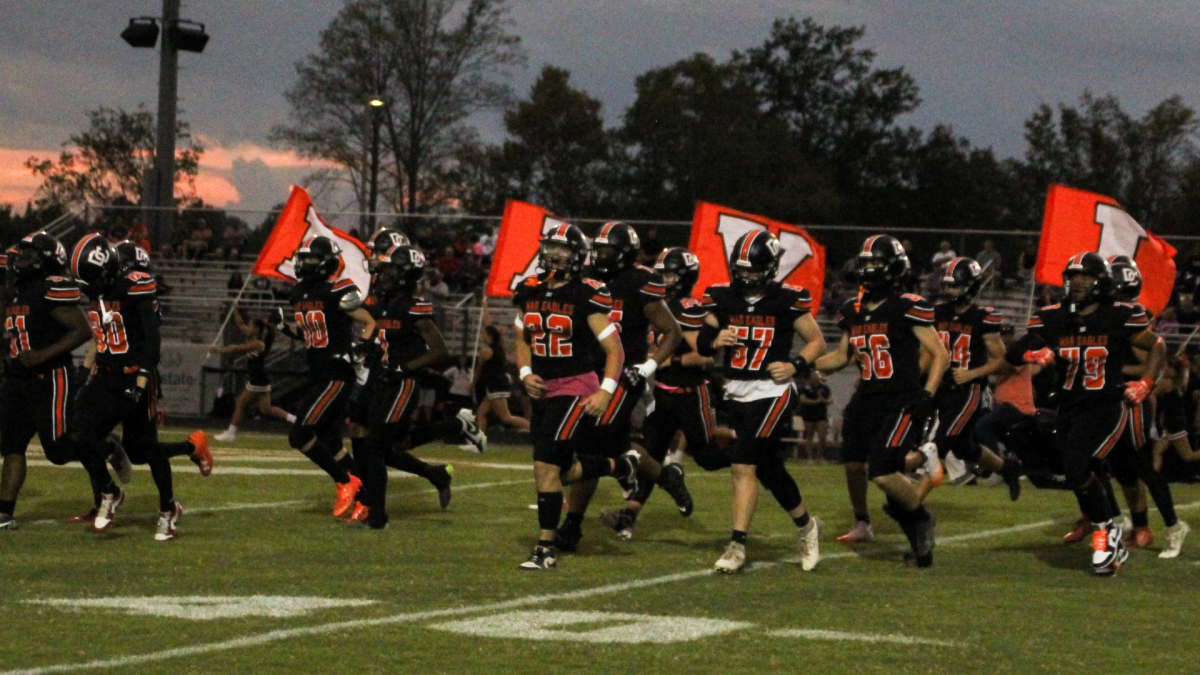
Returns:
<point x="1141" y="518"/>
<point x="346" y="461"/>
<point x="738" y="537"/>
<point x="8" y="507"/>
<point x="180" y="449"/>
<point x="1093" y="501"/>
<point x="357" y="447"/>
<point x="593" y="467"/>
<point x="631" y="514"/>
<point x="572" y="518"/>
<point x="320" y="455"/>
<point x="402" y="460"/>
<point x="545" y="543"/>
<point x="865" y="519"/>
<point x="801" y="521"/>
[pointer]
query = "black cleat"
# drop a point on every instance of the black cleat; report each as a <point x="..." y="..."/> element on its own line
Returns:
<point x="626" y="473"/>
<point x="567" y="537"/>
<point x="542" y="558"/>
<point x="1012" y="476"/>
<point x="914" y="560"/>
<point x="443" y="485"/>
<point x="621" y="522"/>
<point x="671" y="480"/>
<point x="923" y="537"/>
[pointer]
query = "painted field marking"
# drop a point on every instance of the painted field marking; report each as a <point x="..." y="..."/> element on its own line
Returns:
<point x="860" y="637"/>
<point x="206" y="607"/>
<point x="614" y="627"/>
<point x="409" y="617"/>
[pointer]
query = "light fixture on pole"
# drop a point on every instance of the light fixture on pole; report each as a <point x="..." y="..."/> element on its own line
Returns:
<point x="376" y="122"/>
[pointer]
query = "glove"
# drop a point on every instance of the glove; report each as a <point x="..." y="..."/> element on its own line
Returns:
<point x="1042" y="357"/>
<point x="803" y="368"/>
<point x="1136" y="392"/>
<point x="641" y="372"/>
<point x="633" y="376"/>
<point x="135" y="393"/>
<point x="923" y="407"/>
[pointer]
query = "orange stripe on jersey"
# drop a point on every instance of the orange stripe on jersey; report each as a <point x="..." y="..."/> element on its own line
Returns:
<point x="657" y="290"/>
<point x="602" y="300"/>
<point x="342" y="283"/>
<point x="768" y="424"/>
<point x="901" y="431"/>
<point x="1116" y="434"/>
<point x="920" y="313"/>
<point x="64" y="294"/>
<point x="689" y="321"/>
<point x="421" y="309"/>
<point x="139" y="289"/>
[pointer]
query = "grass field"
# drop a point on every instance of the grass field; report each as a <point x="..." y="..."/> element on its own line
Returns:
<point x="440" y="592"/>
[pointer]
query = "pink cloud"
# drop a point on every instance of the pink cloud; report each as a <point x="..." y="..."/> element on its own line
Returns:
<point x="221" y="158"/>
<point x="17" y="184"/>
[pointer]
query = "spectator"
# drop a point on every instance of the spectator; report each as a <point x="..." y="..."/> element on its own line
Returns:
<point x="942" y="257"/>
<point x="234" y="238"/>
<point x="139" y="235"/>
<point x="1026" y="262"/>
<point x="1185" y="312"/>
<point x="197" y="244"/>
<point x="235" y="283"/>
<point x="450" y="266"/>
<point x="487" y="243"/>
<point x="436" y="286"/>
<point x="459" y="394"/>
<point x="650" y="247"/>
<point x="989" y="259"/>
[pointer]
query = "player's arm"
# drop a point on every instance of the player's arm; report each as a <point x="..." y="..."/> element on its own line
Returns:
<point x="663" y="320"/>
<point x="1156" y="361"/>
<point x="533" y="383"/>
<point x="939" y="357"/>
<point x="614" y="360"/>
<point x="78" y="332"/>
<point x="287" y="326"/>
<point x="438" y="352"/>
<point x="995" y="363"/>
<point x="364" y="317"/>
<point x="1136" y="369"/>
<point x="692" y="359"/>
<point x="837" y="359"/>
<point x="713" y="338"/>
<point x="814" y="345"/>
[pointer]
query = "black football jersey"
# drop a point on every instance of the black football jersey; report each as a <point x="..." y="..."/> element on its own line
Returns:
<point x="556" y="324"/>
<point x="328" y="330"/>
<point x="28" y="321"/>
<point x="1090" y="350"/>
<point x="375" y="308"/>
<point x="962" y="334"/>
<point x="763" y="327"/>
<point x="125" y="323"/>
<point x="690" y="315"/>
<point x="399" y="337"/>
<point x="889" y="354"/>
<point x="631" y="291"/>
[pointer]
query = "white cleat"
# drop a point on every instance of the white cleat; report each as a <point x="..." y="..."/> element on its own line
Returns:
<point x="860" y="532"/>
<point x="734" y="559"/>
<point x="810" y="553"/>
<point x="167" y="521"/>
<point x="1175" y="536"/>
<point x="108" y="510"/>
<point x="226" y="436"/>
<point x="475" y="437"/>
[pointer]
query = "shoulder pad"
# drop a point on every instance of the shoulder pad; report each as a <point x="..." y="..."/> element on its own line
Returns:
<point x="598" y="285"/>
<point x="792" y="287"/>
<point x="352" y="299"/>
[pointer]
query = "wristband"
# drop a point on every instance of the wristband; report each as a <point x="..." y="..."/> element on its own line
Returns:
<point x="612" y="328"/>
<point x="609" y="385"/>
<point x="525" y="372"/>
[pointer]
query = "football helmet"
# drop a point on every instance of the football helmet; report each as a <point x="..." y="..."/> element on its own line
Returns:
<point x="962" y="279"/>
<point x="882" y="262"/>
<point x="318" y="258"/>
<point x="1078" y="293"/>
<point x="754" y="261"/>
<point x="684" y="267"/>
<point x="614" y="250"/>
<point x="1126" y="278"/>
<point x="133" y="257"/>
<point x="563" y="252"/>
<point x="39" y="254"/>
<point x="94" y="262"/>
<point x="399" y="270"/>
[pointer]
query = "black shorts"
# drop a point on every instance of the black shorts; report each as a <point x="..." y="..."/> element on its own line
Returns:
<point x="760" y="425"/>
<point x="1173" y="416"/>
<point x="494" y="385"/>
<point x="1087" y="432"/>
<point x="958" y="409"/>
<point x="686" y="409"/>
<point x="878" y="430"/>
<point x="389" y="409"/>
<point x="323" y="409"/>
<point x="101" y="406"/>
<point x="40" y="404"/>
<point x="814" y="413"/>
<point x="359" y="402"/>
<point x="1140" y="428"/>
<point x="559" y="429"/>
<point x="614" y="428"/>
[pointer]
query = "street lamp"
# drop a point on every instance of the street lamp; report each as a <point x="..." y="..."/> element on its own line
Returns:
<point x="376" y="122"/>
<point x="158" y="189"/>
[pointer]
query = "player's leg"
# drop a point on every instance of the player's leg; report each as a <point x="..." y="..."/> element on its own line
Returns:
<point x="856" y="441"/>
<point x="17" y="427"/>
<point x="553" y="421"/>
<point x="890" y="444"/>
<point x="497" y="402"/>
<point x="1089" y="433"/>
<point x="322" y="403"/>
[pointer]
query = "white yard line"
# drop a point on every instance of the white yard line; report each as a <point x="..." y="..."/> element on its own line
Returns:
<point x="860" y="637"/>
<point x="408" y="617"/>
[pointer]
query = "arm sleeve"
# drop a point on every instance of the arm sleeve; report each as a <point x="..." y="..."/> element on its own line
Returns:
<point x="152" y="348"/>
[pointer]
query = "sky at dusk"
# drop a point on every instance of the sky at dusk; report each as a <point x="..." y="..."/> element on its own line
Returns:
<point x="981" y="67"/>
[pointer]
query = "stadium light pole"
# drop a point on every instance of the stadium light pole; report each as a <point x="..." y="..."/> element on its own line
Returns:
<point x="376" y="122"/>
<point x="158" y="188"/>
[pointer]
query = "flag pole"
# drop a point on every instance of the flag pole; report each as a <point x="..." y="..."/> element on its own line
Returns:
<point x="229" y="314"/>
<point x="478" y="333"/>
<point x="1032" y="293"/>
<point x="1188" y="340"/>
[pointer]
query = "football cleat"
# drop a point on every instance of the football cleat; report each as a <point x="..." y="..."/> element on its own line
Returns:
<point x="359" y="514"/>
<point x="568" y="536"/>
<point x="89" y="517"/>
<point x="119" y="460"/>
<point x="1077" y="533"/>
<point x="1175" y="536"/>
<point x="671" y="480"/>
<point x="201" y="456"/>
<point x="621" y="522"/>
<point x="1108" y="551"/>
<point x="443" y="485"/>
<point x="860" y="532"/>
<point x="1139" y="537"/>
<point x="167" y="520"/>
<point x="733" y="560"/>
<point x="108" y="510"/>
<point x="1011" y="473"/>
<point x="227" y="436"/>
<point x="810" y="553"/>
<point x="625" y="471"/>
<point x="923" y="540"/>
<point x="933" y="465"/>
<point x="346" y="492"/>
<point x="475" y="437"/>
<point x="7" y="522"/>
<point x="542" y="558"/>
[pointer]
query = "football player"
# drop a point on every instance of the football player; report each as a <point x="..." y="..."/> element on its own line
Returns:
<point x="1089" y="337"/>
<point x="324" y="310"/>
<point x="890" y="333"/>
<point x="681" y="396"/>
<point x="753" y="320"/>
<point x="637" y="306"/>
<point x="971" y="334"/>
<point x="562" y="322"/>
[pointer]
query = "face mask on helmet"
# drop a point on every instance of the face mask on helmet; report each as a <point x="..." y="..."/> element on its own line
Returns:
<point x="606" y="259"/>
<point x="555" y="257"/>
<point x="1080" y="288"/>
<point x="749" y="281"/>
<point x="309" y="266"/>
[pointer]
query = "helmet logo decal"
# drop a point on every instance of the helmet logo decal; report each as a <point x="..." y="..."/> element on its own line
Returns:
<point x="97" y="256"/>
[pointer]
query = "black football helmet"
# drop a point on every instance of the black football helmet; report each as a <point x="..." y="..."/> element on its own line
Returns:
<point x="563" y="252"/>
<point x="614" y="250"/>
<point x="754" y="261"/>
<point x="385" y="239"/>
<point x="962" y="280"/>
<point x="39" y="254"/>
<point x="94" y="262"/>
<point x="1126" y="278"/>
<point x="133" y="257"/>
<point x="882" y="262"/>
<point x="684" y="265"/>
<point x="318" y="258"/>
<point x="1090" y="264"/>
<point x="399" y="270"/>
<point x="10" y="266"/>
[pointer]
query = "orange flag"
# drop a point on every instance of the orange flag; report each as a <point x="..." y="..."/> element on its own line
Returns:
<point x="1078" y="221"/>
<point x="515" y="258"/>
<point x="715" y="229"/>
<point x="296" y="224"/>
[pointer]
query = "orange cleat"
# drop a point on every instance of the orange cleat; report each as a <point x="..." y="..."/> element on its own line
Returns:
<point x="1139" y="537"/>
<point x="1081" y="530"/>
<point x="360" y="513"/>
<point x="346" y="492"/>
<point x="201" y="456"/>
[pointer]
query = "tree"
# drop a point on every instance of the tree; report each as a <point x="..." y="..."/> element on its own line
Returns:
<point x="108" y="160"/>
<point x="433" y="63"/>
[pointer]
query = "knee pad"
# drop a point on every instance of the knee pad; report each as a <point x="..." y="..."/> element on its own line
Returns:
<point x="299" y="436"/>
<point x="711" y="457"/>
<point x="781" y="484"/>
